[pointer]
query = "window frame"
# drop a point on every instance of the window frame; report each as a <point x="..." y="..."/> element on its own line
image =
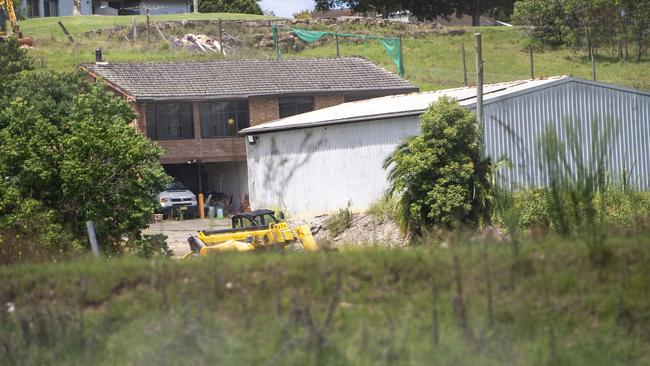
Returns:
<point x="292" y="102"/>
<point x="156" y="121"/>
<point x="242" y="109"/>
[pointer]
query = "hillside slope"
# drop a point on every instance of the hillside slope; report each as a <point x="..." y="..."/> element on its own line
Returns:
<point x="432" y="59"/>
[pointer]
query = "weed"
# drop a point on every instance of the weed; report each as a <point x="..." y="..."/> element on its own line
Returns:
<point x="338" y="222"/>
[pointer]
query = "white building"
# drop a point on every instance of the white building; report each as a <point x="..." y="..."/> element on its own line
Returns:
<point x="318" y="162"/>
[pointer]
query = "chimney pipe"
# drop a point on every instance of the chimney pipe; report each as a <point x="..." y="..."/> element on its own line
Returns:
<point x="98" y="55"/>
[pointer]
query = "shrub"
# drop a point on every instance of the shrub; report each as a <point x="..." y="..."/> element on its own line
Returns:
<point x="438" y="176"/>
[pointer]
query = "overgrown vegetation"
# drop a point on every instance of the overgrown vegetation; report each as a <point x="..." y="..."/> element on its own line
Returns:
<point x="438" y="176"/>
<point x="361" y="307"/>
<point x="67" y="155"/>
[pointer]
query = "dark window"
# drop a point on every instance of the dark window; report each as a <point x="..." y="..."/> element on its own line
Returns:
<point x="290" y="106"/>
<point x="170" y="121"/>
<point x="223" y="119"/>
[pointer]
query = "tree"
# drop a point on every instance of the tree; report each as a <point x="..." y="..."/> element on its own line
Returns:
<point x="550" y="21"/>
<point x="439" y="176"/>
<point x="383" y="7"/>
<point x="230" y="6"/>
<point x="69" y="154"/>
<point x="477" y="8"/>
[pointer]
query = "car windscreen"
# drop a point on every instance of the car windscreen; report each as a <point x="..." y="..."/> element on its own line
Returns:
<point x="175" y="185"/>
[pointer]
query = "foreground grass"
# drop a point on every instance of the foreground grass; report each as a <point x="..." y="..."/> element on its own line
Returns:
<point x="361" y="307"/>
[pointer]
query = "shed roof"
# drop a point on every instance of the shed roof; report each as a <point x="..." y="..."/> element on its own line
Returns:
<point x="244" y="78"/>
<point x="414" y="104"/>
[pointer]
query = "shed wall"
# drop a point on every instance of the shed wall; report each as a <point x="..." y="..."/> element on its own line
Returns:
<point x="319" y="170"/>
<point x="514" y="126"/>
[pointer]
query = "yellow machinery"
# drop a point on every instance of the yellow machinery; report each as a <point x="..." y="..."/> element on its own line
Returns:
<point x="257" y="230"/>
<point x="15" y="29"/>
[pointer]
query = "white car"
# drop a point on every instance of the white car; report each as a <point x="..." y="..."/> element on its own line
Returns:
<point x="174" y="197"/>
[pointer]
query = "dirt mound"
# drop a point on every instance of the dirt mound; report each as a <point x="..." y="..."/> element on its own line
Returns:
<point x="363" y="230"/>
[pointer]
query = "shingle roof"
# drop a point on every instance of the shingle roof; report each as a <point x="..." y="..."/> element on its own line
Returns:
<point x="158" y="80"/>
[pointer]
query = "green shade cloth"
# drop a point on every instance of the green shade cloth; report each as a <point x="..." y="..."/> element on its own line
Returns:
<point x="393" y="46"/>
<point x="309" y="36"/>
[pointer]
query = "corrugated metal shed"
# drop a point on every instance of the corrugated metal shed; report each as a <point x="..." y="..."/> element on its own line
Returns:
<point x="319" y="161"/>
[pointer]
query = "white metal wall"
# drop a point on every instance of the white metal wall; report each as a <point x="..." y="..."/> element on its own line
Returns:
<point x="514" y="126"/>
<point x="319" y="170"/>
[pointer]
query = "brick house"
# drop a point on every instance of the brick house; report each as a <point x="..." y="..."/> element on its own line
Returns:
<point x="194" y="110"/>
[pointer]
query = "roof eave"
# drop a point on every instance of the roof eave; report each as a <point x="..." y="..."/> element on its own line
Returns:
<point x="257" y="130"/>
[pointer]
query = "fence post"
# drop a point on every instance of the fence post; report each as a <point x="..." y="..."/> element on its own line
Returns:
<point x="338" y="52"/>
<point x="401" y="57"/>
<point x="462" y="55"/>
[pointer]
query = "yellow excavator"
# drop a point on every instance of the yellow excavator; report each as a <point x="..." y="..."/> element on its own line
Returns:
<point x="8" y="5"/>
<point x="252" y="231"/>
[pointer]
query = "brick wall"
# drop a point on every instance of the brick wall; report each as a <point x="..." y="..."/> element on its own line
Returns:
<point x="263" y="109"/>
<point x="325" y="101"/>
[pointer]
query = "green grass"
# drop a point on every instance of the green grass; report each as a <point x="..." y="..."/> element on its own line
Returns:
<point x="45" y="27"/>
<point x="431" y="62"/>
<point x="435" y="62"/>
<point x="558" y="309"/>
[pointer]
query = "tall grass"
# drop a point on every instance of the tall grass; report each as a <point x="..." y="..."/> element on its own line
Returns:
<point x="576" y="170"/>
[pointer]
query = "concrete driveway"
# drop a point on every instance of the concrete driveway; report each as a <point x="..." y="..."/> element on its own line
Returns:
<point x="177" y="232"/>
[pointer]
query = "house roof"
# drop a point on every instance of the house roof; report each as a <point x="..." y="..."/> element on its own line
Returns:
<point x="243" y="78"/>
<point x="414" y="104"/>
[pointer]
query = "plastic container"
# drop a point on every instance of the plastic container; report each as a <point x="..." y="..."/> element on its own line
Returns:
<point x="220" y="212"/>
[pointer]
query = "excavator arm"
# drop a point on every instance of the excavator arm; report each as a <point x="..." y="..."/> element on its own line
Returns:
<point x="15" y="29"/>
<point x="9" y="5"/>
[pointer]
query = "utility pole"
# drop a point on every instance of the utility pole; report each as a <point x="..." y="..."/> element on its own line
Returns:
<point x="462" y="55"/>
<point x="479" y="81"/>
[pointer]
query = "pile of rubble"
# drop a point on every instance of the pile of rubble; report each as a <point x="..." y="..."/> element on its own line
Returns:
<point x="198" y="43"/>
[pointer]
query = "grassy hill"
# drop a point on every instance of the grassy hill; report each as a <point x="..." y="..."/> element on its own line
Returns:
<point x="354" y="307"/>
<point x="432" y="61"/>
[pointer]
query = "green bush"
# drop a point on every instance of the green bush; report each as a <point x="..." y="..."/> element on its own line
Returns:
<point x="438" y="175"/>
